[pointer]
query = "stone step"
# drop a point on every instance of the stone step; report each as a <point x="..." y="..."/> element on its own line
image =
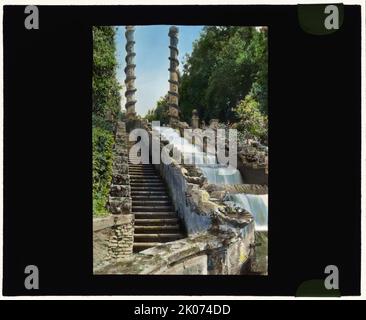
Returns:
<point x="155" y="215"/>
<point x="157" y="229"/>
<point x="151" y="185"/>
<point x="141" y="166"/>
<point x="139" y="175"/>
<point x="160" y="222"/>
<point x="148" y="188"/>
<point x="148" y="208"/>
<point x="149" y="197"/>
<point x="156" y="221"/>
<point x="139" y="246"/>
<point x="143" y="173"/>
<point x="157" y="237"/>
<point x="151" y="203"/>
<point x="145" y="179"/>
<point x="149" y="193"/>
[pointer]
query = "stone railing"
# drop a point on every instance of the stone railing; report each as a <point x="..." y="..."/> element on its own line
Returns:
<point x="201" y="254"/>
<point x="220" y="191"/>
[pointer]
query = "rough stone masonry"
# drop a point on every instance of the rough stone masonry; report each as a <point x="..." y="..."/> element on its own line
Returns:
<point x="120" y="244"/>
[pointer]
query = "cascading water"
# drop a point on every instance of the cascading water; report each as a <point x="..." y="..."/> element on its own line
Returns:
<point x="221" y="175"/>
<point x="256" y="204"/>
<point x="214" y="172"/>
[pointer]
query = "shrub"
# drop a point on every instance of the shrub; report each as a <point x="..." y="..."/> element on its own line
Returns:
<point x="106" y="108"/>
<point x="252" y="123"/>
<point x="102" y="169"/>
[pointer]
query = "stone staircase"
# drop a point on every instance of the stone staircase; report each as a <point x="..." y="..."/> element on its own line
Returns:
<point x="156" y="221"/>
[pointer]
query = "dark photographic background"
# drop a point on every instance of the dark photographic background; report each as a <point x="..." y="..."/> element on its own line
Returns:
<point x="314" y="140"/>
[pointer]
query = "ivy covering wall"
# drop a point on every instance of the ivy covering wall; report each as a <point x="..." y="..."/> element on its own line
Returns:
<point x="106" y="109"/>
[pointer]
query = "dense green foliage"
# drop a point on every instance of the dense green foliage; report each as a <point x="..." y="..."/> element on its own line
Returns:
<point x="160" y="113"/>
<point x="102" y="168"/>
<point x="252" y="123"/>
<point x="106" y="90"/>
<point x="227" y="64"/>
<point x="106" y="106"/>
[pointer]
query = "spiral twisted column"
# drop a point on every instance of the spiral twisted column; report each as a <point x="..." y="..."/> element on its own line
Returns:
<point x="174" y="78"/>
<point x="130" y="72"/>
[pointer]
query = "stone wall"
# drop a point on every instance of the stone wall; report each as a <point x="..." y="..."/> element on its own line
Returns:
<point x="253" y="163"/>
<point x="180" y="192"/>
<point x="120" y="244"/>
<point x="253" y="174"/>
<point x="101" y="235"/>
<point x="202" y="254"/>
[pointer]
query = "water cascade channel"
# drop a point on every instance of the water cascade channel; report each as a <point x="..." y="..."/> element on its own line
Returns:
<point x="213" y="171"/>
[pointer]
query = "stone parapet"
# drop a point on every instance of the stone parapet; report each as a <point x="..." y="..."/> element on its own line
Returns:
<point x="102" y="223"/>
<point x="202" y="254"/>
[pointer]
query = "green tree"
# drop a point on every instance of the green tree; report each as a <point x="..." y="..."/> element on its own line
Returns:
<point x="106" y="89"/>
<point x="105" y="111"/>
<point x="102" y="168"/>
<point x="160" y="112"/>
<point x="252" y="123"/>
<point x="259" y="88"/>
<point x="226" y="64"/>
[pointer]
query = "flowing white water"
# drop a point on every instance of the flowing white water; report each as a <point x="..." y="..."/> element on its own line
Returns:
<point x="214" y="172"/>
<point x="256" y="204"/>
<point x="221" y="175"/>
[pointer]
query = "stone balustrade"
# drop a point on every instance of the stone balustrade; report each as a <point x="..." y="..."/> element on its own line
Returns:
<point x="201" y="254"/>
